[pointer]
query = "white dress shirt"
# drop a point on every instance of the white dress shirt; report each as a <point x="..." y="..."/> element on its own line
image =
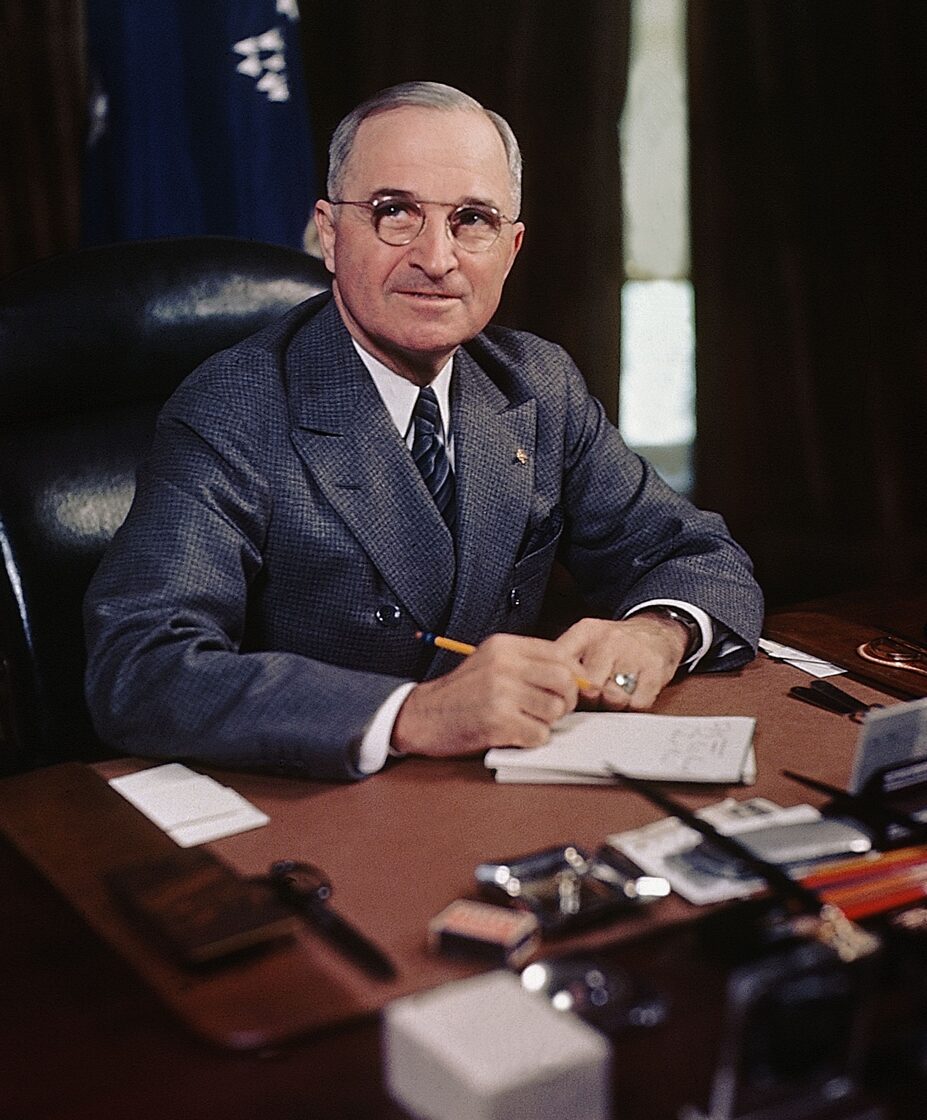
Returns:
<point x="399" y="395"/>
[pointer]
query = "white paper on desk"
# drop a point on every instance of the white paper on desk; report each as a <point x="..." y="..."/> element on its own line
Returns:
<point x="642" y="745"/>
<point x="814" y="666"/>
<point x="191" y="808"/>
<point x="526" y="775"/>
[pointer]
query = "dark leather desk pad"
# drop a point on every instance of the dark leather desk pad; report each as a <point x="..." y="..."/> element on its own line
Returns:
<point x="398" y="847"/>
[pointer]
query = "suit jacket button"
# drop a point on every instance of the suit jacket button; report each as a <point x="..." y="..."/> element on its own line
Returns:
<point x="388" y="614"/>
<point x="514" y="598"/>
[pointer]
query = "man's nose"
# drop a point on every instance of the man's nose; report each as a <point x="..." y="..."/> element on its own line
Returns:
<point x="435" y="249"/>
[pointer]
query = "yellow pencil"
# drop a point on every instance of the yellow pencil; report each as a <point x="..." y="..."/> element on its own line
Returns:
<point x="445" y="643"/>
<point x="466" y="649"/>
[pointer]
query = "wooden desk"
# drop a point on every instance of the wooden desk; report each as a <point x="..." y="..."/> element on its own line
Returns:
<point x="832" y="628"/>
<point x="83" y="1036"/>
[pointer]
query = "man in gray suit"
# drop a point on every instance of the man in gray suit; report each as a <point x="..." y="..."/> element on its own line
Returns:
<point x="380" y="463"/>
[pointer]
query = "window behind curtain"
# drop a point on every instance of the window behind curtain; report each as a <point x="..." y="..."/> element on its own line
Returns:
<point x="657" y="399"/>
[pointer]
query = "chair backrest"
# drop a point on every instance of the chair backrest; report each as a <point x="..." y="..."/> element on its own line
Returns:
<point x="91" y="345"/>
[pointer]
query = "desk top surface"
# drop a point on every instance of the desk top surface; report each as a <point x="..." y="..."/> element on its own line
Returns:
<point x="398" y="847"/>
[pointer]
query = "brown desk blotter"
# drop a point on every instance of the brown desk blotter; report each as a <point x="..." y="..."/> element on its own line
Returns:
<point x="73" y="827"/>
<point x="836" y="639"/>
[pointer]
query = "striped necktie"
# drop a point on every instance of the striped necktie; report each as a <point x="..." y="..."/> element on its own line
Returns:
<point x="430" y="456"/>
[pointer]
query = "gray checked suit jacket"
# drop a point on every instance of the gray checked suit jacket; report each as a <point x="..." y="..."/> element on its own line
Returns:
<point x="262" y="598"/>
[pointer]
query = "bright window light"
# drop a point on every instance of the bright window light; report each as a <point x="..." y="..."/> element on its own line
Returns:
<point x="656" y="413"/>
<point x="657" y="404"/>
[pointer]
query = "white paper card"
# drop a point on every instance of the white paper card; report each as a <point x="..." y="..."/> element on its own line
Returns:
<point x="191" y="808"/>
<point x="642" y="745"/>
<point x="815" y="666"/>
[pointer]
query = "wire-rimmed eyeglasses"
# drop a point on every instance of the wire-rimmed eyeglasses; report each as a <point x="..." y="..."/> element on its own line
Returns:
<point x="895" y="652"/>
<point x="399" y="219"/>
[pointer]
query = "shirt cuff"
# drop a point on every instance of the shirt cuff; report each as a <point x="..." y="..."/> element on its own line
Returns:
<point x="374" y="748"/>
<point x="705" y="625"/>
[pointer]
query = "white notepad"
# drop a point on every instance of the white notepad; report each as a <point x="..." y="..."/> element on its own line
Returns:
<point x="191" y="808"/>
<point x="657" y="748"/>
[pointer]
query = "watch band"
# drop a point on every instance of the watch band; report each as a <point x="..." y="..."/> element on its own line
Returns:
<point x="677" y="615"/>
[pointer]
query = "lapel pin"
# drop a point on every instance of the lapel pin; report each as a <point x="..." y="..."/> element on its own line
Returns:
<point x="521" y="455"/>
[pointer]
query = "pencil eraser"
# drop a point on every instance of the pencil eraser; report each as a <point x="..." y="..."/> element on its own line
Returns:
<point x="495" y="933"/>
<point x="487" y="1049"/>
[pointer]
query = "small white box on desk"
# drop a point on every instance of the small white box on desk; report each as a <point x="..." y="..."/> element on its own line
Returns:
<point x="486" y="1049"/>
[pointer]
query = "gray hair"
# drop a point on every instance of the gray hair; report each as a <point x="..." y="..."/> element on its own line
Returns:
<point x="427" y="95"/>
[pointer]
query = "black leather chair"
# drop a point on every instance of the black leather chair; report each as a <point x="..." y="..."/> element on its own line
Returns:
<point x="91" y="345"/>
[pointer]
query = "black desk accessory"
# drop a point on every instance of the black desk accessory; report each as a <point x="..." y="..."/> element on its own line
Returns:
<point x="824" y="695"/>
<point x="199" y="910"/>
<point x="599" y="991"/>
<point x="849" y="702"/>
<point x="807" y="696"/>
<point x="870" y="810"/>
<point x="797" y="1001"/>
<point x="304" y="889"/>
<point x="796" y="1035"/>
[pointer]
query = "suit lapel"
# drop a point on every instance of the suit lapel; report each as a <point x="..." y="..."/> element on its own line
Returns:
<point x="348" y="441"/>
<point x="494" y="444"/>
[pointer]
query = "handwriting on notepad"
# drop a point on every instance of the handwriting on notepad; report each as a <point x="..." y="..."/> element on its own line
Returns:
<point x="690" y="747"/>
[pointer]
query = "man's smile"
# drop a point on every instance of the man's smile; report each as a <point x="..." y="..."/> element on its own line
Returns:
<point x="427" y="297"/>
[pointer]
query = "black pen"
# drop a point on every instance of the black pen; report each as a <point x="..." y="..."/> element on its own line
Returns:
<point x="799" y="692"/>
<point x="312" y="904"/>
<point x="841" y="699"/>
<point x="865" y="808"/>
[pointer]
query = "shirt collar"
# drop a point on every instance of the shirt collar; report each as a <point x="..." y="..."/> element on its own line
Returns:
<point x="399" y="394"/>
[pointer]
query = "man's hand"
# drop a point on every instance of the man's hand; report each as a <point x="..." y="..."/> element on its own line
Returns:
<point x="648" y="646"/>
<point x="507" y="694"/>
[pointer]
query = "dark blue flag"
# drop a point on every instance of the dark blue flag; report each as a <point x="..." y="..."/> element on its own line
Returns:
<point x="199" y="122"/>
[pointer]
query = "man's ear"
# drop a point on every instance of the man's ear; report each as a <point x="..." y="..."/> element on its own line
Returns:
<point x="325" y="225"/>
<point x="518" y="237"/>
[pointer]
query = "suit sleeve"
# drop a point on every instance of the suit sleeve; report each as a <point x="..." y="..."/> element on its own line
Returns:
<point x="166" y="617"/>
<point x="630" y="538"/>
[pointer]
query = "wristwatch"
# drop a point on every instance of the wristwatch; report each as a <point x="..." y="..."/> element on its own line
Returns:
<point x="677" y="615"/>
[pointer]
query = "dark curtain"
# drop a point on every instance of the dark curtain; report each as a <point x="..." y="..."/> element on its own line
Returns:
<point x="41" y="128"/>
<point x="557" y="73"/>
<point x="809" y="199"/>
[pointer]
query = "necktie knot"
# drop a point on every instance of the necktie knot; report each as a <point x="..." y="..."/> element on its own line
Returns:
<point x="430" y="455"/>
<point x="427" y="413"/>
